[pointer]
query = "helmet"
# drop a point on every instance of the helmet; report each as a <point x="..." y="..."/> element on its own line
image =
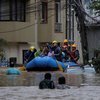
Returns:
<point x="74" y="45"/>
<point x="32" y="48"/>
<point x="54" y="41"/>
<point x="65" y="40"/>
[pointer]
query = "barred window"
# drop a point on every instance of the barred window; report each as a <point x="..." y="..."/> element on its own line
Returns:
<point x="12" y="10"/>
<point x="58" y="25"/>
<point x="58" y="11"/>
<point x="44" y="11"/>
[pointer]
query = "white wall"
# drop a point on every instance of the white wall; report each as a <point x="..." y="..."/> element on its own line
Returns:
<point x="15" y="50"/>
<point x="93" y="37"/>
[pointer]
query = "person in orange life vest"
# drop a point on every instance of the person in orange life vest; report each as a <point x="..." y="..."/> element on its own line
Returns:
<point x="74" y="54"/>
<point x="65" y="43"/>
<point x="65" y="50"/>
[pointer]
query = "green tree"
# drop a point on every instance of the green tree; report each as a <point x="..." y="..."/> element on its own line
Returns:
<point x="95" y="5"/>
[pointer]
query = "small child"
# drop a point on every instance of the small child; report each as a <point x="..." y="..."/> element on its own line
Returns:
<point x="62" y="83"/>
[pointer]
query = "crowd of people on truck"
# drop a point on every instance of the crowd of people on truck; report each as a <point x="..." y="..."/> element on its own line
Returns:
<point x="63" y="53"/>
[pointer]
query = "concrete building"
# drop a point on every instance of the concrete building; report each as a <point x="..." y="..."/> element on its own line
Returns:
<point x="32" y="22"/>
<point x="92" y="29"/>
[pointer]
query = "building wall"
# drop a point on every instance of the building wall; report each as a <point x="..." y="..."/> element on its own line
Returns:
<point x="33" y="32"/>
<point x="46" y="32"/>
<point x="19" y="32"/>
<point x="15" y="50"/>
<point x="25" y="30"/>
<point x="60" y="36"/>
<point x="93" y="36"/>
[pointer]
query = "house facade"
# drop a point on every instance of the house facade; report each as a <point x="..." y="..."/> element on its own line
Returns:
<point x="25" y="23"/>
<point x="92" y="29"/>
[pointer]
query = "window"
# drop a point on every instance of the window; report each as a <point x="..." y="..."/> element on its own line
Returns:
<point x="12" y="10"/>
<point x="4" y="10"/>
<point x="44" y="11"/>
<point x="58" y="24"/>
<point x="58" y="11"/>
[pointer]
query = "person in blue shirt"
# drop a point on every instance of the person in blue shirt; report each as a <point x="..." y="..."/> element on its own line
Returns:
<point x="30" y="54"/>
<point x="12" y="70"/>
<point x="56" y="51"/>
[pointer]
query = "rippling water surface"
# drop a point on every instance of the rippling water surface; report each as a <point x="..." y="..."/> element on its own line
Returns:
<point x="85" y="85"/>
<point x="74" y="77"/>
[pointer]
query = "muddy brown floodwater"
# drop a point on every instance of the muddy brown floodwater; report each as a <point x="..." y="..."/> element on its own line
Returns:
<point x="84" y="85"/>
<point x="74" y="77"/>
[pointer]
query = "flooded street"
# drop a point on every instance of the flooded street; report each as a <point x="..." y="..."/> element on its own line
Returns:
<point x="74" y="77"/>
<point x="33" y="93"/>
<point x="34" y="78"/>
<point x="85" y="85"/>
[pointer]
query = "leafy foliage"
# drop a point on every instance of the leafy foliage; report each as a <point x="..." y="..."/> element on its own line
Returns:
<point x="95" y="5"/>
<point x="96" y="63"/>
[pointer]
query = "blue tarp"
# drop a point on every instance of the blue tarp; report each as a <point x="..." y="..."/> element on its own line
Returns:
<point x="48" y="63"/>
<point x="13" y="71"/>
<point x="44" y="62"/>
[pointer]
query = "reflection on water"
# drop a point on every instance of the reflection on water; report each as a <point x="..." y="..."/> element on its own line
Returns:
<point x="33" y="78"/>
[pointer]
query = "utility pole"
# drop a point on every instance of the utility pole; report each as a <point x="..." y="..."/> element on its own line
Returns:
<point x="66" y="31"/>
<point x="70" y="20"/>
<point x="72" y="10"/>
<point x="70" y="15"/>
<point x="72" y="24"/>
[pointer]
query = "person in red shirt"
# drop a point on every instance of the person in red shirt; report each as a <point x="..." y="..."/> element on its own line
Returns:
<point x="65" y="50"/>
<point x="74" y="54"/>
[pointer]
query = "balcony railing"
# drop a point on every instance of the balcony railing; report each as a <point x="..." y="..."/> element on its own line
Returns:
<point x="58" y="27"/>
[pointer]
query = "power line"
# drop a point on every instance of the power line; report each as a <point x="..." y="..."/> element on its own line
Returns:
<point x="35" y="23"/>
<point x="28" y="10"/>
<point x="82" y="9"/>
<point x="28" y="25"/>
<point x="39" y="2"/>
<point x="25" y="26"/>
